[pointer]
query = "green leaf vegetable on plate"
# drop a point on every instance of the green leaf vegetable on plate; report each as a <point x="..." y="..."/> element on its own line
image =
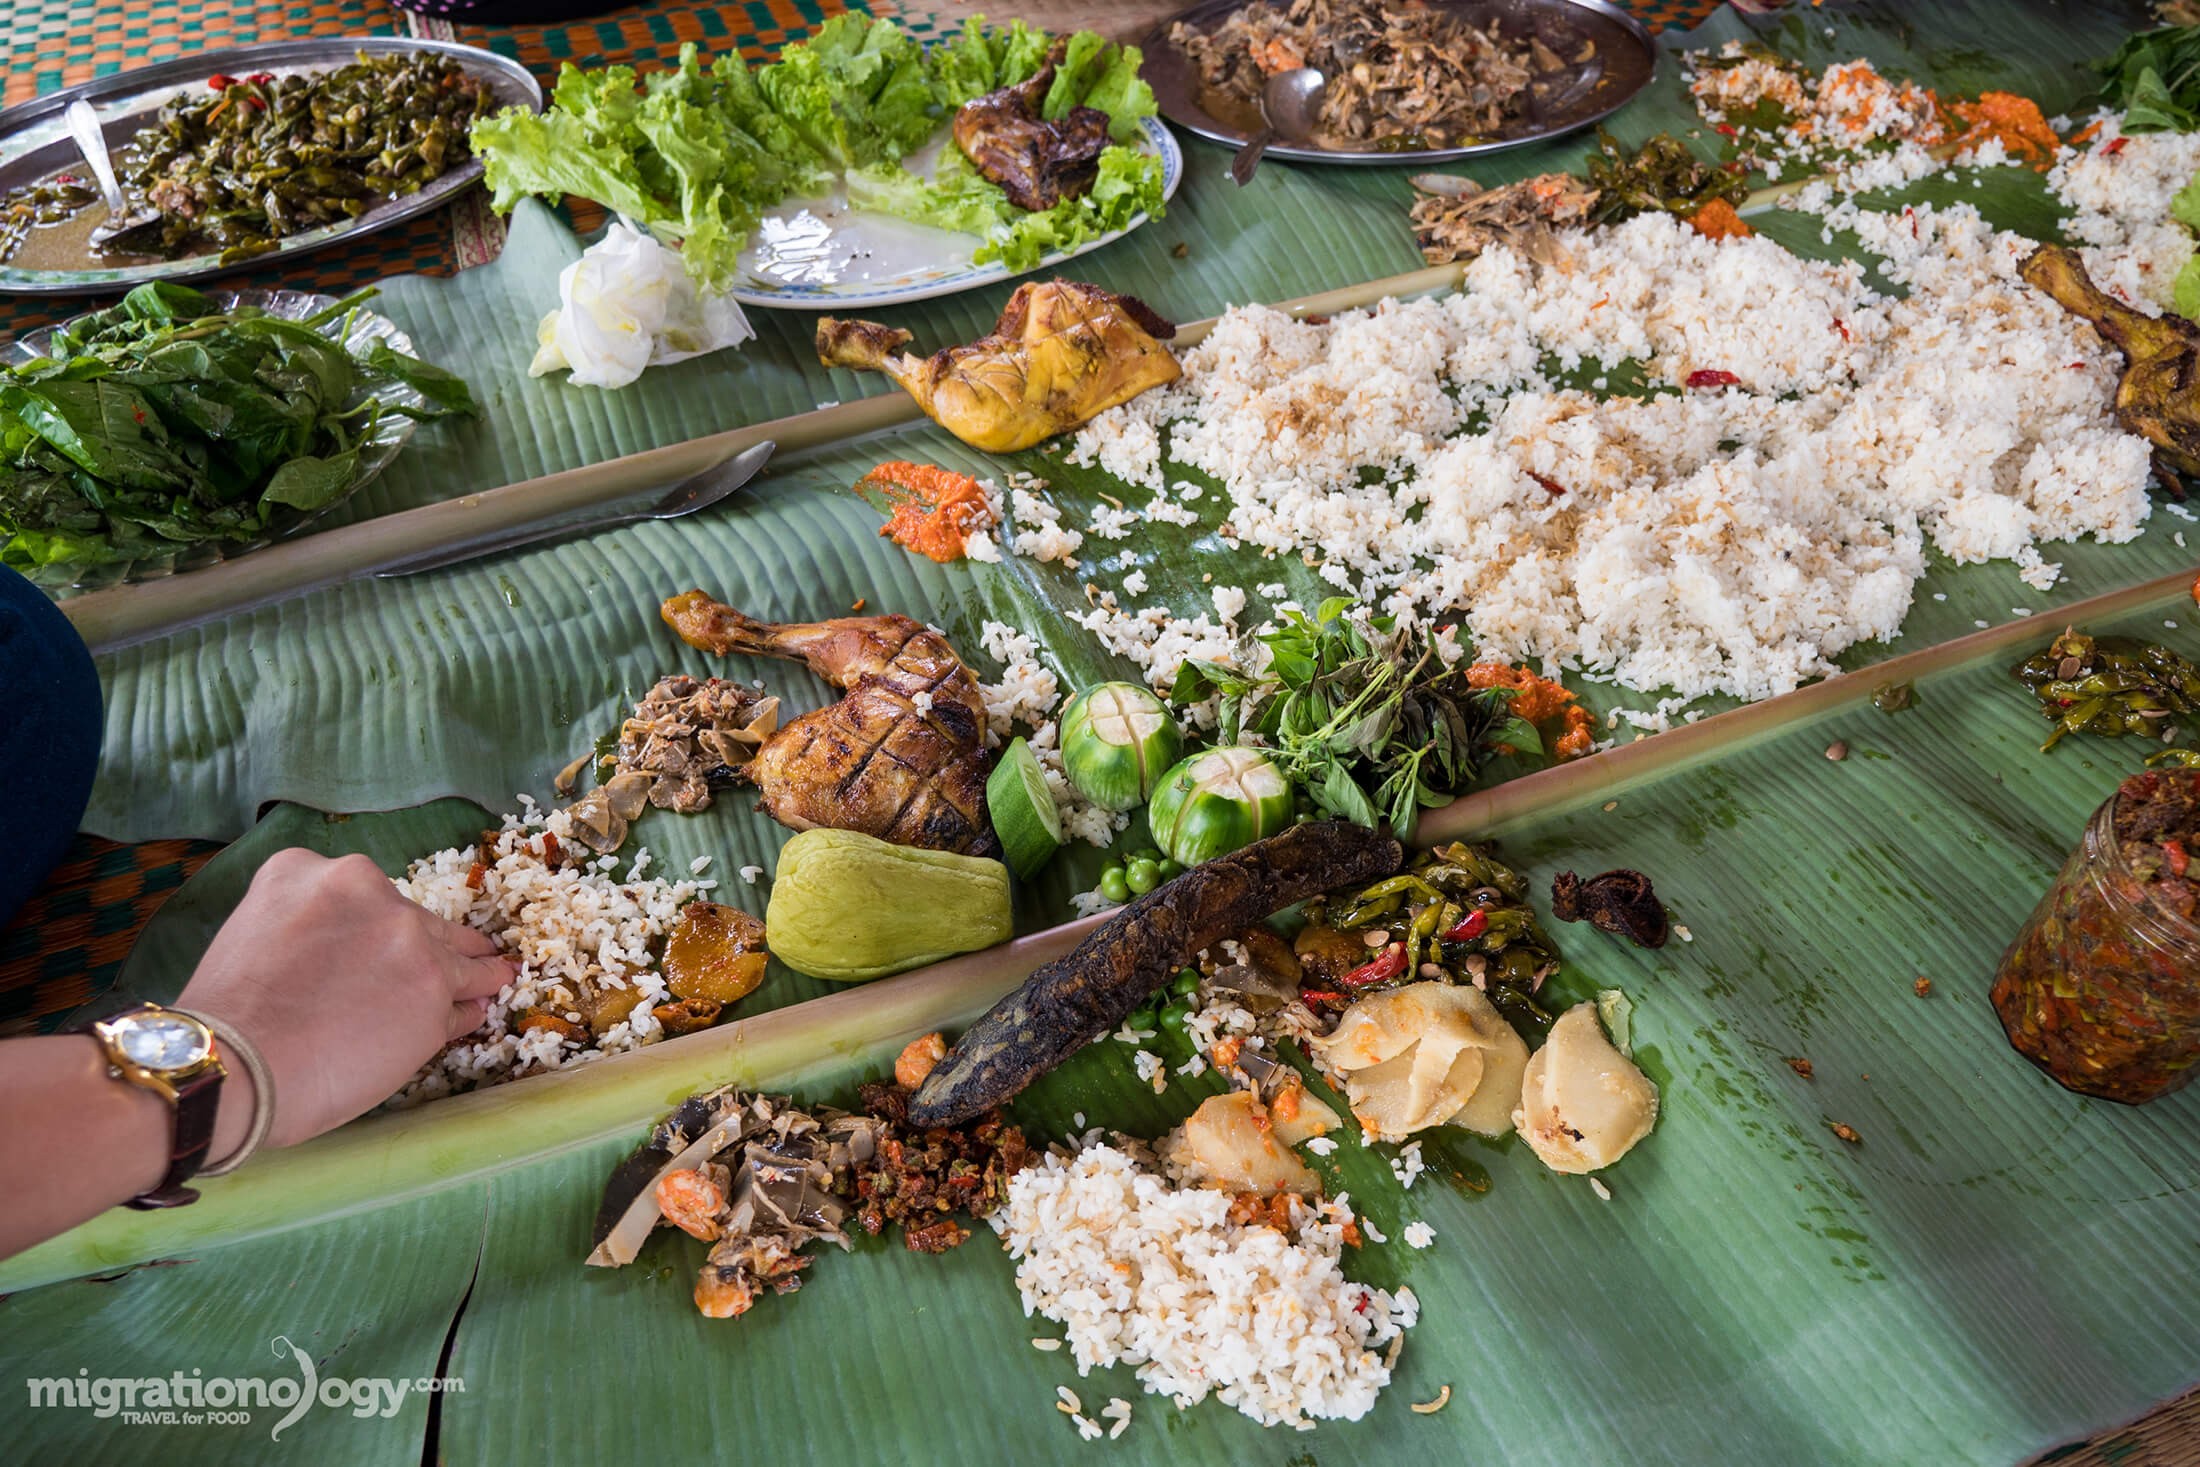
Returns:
<point x="165" y="421"/>
<point x="697" y="155"/>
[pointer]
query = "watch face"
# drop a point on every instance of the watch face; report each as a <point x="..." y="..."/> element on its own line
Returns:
<point x="160" y="1041"/>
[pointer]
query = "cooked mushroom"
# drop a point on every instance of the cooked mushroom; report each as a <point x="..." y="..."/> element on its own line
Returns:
<point x="1418" y="1056"/>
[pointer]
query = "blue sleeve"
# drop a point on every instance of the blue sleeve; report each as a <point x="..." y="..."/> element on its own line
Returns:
<point x="49" y="733"/>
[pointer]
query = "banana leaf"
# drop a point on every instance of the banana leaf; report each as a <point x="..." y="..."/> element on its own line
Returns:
<point x="1976" y="1281"/>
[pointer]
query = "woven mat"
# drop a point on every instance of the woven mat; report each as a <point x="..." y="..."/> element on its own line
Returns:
<point x="68" y="943"/>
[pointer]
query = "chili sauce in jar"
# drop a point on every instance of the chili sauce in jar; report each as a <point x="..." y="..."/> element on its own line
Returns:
<point x="2101" y="988"/>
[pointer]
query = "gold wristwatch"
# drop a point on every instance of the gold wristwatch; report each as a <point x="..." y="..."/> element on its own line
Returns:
<point x="172" y="1055"/>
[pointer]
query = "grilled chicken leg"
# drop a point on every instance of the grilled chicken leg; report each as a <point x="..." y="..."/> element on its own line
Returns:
<point x="901" y="757"/>
<point x="1061" y="353"/>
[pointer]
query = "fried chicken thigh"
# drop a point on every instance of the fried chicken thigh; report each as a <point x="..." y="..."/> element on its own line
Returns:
<point x="1061" y="353"/>
<point x="901" y="757"/>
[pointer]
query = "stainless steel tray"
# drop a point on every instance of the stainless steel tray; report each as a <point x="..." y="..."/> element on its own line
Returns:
<point x="34" y="144"/>
<point x="1626" y="58"/>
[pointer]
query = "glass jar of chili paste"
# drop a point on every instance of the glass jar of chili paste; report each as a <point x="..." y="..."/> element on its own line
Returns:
<point x="2101" y="988"/>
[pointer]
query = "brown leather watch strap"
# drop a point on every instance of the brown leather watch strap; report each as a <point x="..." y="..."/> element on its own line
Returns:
<point x="197" y="1100"/>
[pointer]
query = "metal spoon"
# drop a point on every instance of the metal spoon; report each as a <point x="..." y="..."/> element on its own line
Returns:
<point x="1289" y="105"/>
<point x="700" y="491"/>
<point x="84" y="127"/>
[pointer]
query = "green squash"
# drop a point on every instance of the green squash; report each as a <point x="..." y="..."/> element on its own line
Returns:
<point x="848" y="907"/>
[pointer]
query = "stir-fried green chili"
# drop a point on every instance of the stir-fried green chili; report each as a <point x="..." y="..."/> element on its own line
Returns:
<point x="2109" y="686"/>
<point x="1662" y="175"/>
<point x="241" y="163"/>
<point x="1456" y="907"/>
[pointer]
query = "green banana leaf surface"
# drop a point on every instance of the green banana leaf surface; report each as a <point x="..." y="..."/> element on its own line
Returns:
<point x="1983" y="1276"/>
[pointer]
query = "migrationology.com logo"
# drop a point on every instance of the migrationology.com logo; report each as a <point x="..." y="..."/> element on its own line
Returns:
<point x="198" y="1399"/>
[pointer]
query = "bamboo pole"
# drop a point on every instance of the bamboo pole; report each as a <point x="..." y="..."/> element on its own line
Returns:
<point x="1564" y="787"/>
<point x="125" y="615"/>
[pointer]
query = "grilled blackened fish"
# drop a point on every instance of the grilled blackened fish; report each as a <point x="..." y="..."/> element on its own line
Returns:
<point x="902" y="757"/>
<point x="1074" y="1000"/>
<point x="1061" y="353"/>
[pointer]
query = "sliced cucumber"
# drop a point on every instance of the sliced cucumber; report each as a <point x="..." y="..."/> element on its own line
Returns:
<point x="1023" y="812"/>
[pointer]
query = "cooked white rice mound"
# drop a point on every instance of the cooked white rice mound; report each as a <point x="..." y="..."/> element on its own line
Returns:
<point x="1143" y="1273"/>
<point x="566" y="925"/>
<point x="1724" y="539"/>
<point x="2119" y="188"/>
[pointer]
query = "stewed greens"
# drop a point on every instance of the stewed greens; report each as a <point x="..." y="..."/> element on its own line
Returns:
<point x="163" y="422"/>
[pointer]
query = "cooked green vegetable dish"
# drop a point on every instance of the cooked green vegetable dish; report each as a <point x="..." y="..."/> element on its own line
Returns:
<point x="2110" y="686"/>
<point x="162" y="422"/>
<point x="236" y="166"/>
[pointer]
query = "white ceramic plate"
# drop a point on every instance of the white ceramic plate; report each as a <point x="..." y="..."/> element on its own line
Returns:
<point x="817" y="254"/>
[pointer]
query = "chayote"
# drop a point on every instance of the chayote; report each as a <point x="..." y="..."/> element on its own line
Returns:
<point x="849" y="907"/>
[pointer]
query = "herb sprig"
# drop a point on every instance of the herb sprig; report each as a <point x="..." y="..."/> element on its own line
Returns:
<point x="1367" y="719"/>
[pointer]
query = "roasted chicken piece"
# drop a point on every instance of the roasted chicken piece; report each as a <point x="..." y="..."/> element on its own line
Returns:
<point x="1037" y="163"/>
<point x="2158" y="397"/>
<point x="1060" y="354"/>
<point x="901" y="757"/>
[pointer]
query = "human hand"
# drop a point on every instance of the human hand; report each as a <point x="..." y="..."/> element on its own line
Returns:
<point x="344" y="986"/>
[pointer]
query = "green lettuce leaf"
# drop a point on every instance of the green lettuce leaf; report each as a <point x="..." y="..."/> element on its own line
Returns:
<point x="1123" y="94"/>
<point x="1129" y="183"/>
<point x="965" y="66"/>
<point x="1023" y="50"/>
<point x="1083" y="59"/>
<point x="858" y="92"/>
<point x="956" y="198"/>
<point x="2185" y="298"/>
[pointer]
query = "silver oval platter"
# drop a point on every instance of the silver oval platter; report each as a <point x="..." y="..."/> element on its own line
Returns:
<point x="1609" y="56"/>
<point x="34" y="145"/>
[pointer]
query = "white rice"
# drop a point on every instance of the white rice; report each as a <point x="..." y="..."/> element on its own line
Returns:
<point x="1140" y="1273"/>
<point x="2118" y="188"/>
<point x="1419" y="1235"/>
<point x="1733" y="540"/>
<point x="567" y="926"/>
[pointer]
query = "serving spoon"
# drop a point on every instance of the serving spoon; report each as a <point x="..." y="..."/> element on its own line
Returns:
<point x="698" y="492"/>
<point x="84" y="127"/>
<point x="1289" y="104"/>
